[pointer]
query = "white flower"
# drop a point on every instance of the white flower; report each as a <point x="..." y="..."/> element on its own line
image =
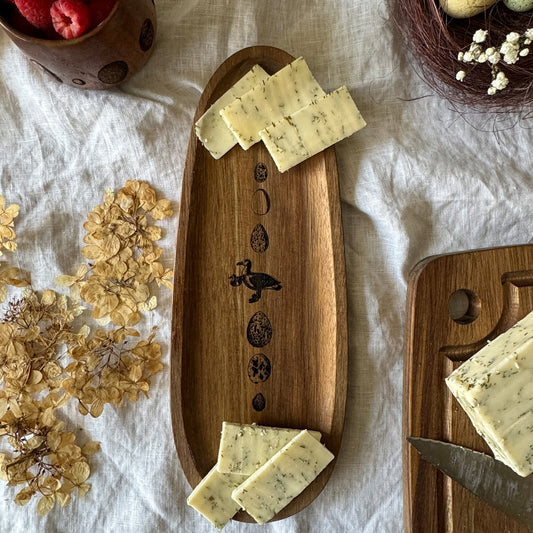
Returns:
<point x="468" y="56"/>
<point x="512" y="37"/>
<point x="461" y="75"/>
<point x="491" y="90"/>
<point x="480" y="36"/>
<point x="494" y="57"/>
<point x="500" y="82"/>
<point x="510" y="52"/>
<point x="524" y="52"/>
<point x="460" y="56"/>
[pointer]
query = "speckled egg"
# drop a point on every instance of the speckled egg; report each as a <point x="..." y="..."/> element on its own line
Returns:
<point x="519" y="5"/>
<point x="259" y="331"/>
<point x="461" y="9"/>
<point x="259" y="239"/>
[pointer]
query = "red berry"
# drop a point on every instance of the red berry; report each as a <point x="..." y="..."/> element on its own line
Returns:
<point x="99" y="10"/>
<point x="17" y="21"/>
<point x="36" y="12"/>
<point x="71" y="18"/>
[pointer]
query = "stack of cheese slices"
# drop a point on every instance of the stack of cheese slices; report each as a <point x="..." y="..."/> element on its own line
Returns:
<point x="260" y="469"/>
<point x="288" y="111"/>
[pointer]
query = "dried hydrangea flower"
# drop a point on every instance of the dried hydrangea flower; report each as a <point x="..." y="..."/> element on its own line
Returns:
<point x="121" y="243"/>
<point x="7" y="233"/>
<point x="44" y="363"/>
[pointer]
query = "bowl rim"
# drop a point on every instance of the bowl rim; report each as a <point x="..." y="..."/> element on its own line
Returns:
<point x="60" y="43"/>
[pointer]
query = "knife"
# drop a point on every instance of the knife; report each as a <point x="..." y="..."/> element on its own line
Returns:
<point x="483" y="475"/>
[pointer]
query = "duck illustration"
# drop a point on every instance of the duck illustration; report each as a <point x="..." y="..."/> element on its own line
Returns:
<point x="255" y="281"/>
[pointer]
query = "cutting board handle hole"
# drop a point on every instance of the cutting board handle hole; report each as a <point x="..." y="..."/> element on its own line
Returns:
<point x="464" y="306"/>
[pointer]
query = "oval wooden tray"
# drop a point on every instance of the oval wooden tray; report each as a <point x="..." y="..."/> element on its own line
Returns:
<point x="494" y="288"/>
<point x="276" y="356"/>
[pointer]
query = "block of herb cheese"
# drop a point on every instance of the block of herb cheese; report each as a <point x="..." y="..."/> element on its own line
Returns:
<point x="283" y="477"/>
<point x="212" y="497"/>
<point x="313" y="128"/>
<point x="283" y="93"/>
<point x="245" y="447"/>
<point x="211" y="129"/>
<point x="495" y="388"/>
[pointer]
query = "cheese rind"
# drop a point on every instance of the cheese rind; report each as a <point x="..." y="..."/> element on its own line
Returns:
<point x="283" y="93"/>
<point x="211" y="129"/>
<point x="212" y="497"/>
<point x="312" y="129"/>
<point x="283" y="477"/>
<point x="495" y="388"/>
<point x="246" y="447"/>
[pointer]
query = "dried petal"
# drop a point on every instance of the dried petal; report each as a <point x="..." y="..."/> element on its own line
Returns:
<point x="24" y="496"/>
<point x="79" y="472"/>
<point x="97" y="408"/>
<point x="91" y="448"/>
<point x="45" y="505"/>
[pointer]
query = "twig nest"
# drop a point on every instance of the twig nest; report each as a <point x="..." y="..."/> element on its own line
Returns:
<point x="519" y="5"/>
<point x="461" y="9"/>
<point x="484" y="62"/>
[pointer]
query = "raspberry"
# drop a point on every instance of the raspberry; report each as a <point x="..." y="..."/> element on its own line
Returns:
<point x="99" y="10"/>
<point x="71" y="18"/>
<point x="36" y="12"/>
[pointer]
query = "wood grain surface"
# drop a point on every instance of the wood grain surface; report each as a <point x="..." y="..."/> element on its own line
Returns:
<point x="276" y="356"/>
<point x="455" y="303"/>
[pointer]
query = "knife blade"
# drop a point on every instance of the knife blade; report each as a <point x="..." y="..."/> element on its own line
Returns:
<point x="483" y="475"/>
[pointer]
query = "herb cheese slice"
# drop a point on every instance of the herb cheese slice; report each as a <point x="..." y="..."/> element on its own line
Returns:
<point x="212" y="497"/>
<point x="495" y="388"/>
<point x="283" y="93"/>
<point x="283" y="477"/>
<point x="245" y="447"/>
<point x="211" y="129"/>
<point x="313" y="128"/>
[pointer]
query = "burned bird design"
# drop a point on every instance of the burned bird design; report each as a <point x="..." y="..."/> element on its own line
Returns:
<point x="255" y="281"/>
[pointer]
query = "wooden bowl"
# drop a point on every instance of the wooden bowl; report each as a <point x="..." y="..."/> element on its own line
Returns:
<point x="103" y="58"/>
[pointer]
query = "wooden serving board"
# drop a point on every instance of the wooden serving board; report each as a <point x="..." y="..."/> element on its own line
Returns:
<point x="259" y="313"/>
<point x="488" y="291"/>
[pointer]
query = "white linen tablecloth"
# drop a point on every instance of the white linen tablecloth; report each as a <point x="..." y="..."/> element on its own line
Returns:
<point x="420" y="179"/>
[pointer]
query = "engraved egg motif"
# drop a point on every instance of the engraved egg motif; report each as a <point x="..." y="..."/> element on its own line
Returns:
<point x="259" y="331"/>
<point x="259" y="402"/>
<point x="259" y="239"/>
<point x="260" y="172"/>
<point x="260" y="202"/>
<point x="259" y="368"/>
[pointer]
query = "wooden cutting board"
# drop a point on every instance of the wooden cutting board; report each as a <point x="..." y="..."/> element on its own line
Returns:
<point x="455" y="303"/>
<point x="259" y="328"/>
